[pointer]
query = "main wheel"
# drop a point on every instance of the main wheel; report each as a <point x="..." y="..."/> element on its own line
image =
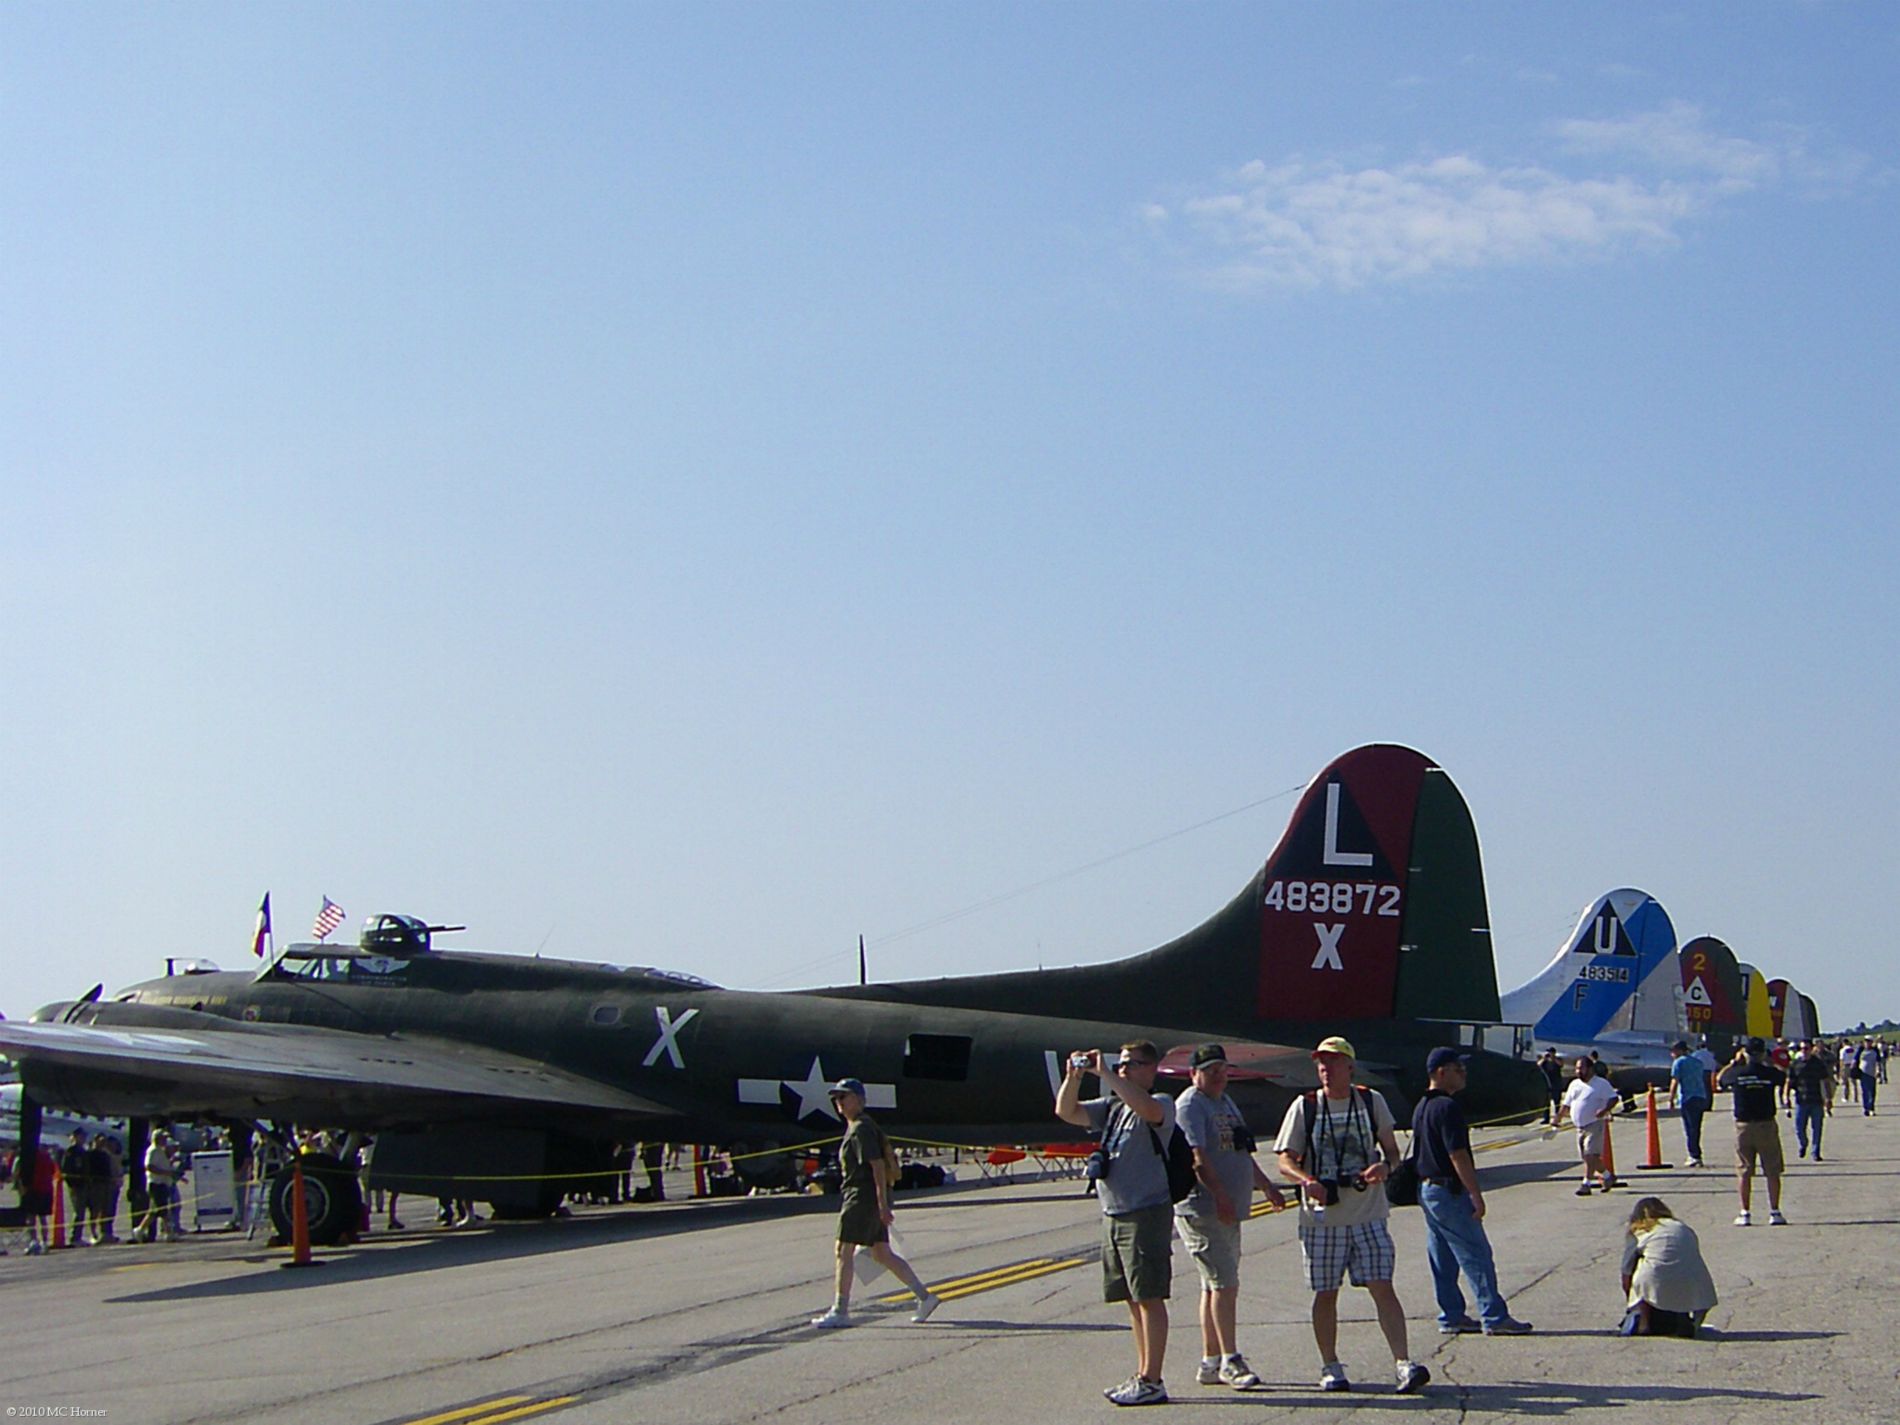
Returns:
<point x="333" y="1200"/>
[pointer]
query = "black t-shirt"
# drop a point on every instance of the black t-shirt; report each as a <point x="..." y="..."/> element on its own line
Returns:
<point x="1553" y="1070"/>
<point x="1754" y="1084"/>
<point x="1809" y="1078"/>
<point x="1439" y="1129"/>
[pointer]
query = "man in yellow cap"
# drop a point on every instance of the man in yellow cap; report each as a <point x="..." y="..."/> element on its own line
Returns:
<point x="1338" y="1144"/>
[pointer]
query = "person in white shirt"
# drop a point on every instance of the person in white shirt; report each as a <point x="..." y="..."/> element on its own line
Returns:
<point x="1589" y="1101"/>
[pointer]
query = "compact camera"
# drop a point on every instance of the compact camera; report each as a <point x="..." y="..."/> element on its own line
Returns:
<point x="1078" y="1061"/>
<point x="1095" y="1167"/>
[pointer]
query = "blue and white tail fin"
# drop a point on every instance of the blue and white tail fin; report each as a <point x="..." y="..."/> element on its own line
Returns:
<point x="1617" y="973"/>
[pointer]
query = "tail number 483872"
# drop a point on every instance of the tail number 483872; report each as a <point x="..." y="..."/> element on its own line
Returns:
<point x="1332" y="897"/>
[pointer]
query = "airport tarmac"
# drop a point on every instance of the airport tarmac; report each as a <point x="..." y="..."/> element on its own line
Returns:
<point x="688" y="1312"/>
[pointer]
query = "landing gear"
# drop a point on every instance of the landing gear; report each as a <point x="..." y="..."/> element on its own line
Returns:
<point x="333" y="1201"/>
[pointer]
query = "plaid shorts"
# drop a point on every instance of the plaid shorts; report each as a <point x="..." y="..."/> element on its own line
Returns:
<point x="1329" y="1251"/>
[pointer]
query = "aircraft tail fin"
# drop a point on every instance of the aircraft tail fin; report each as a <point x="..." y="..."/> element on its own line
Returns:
<point x="1371" y="907"/>
<point x="1712" y="994"/>
<point x="1617" y="972"/>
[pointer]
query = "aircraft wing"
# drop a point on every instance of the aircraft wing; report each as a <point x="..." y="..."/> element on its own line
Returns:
<point x="1248" y="1062"/>
<point x="303" y="1074"/>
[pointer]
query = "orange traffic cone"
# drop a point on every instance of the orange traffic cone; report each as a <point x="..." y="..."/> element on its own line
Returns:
<point x="1655" y="1137"/>
<point x="299" y="1221"/>
<point x="1609" y="1151"/>
<point x="59" y="1207"/>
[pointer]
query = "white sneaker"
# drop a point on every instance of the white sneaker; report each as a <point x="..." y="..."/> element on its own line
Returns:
<point x="1332" y="1376"/>
<point x="1208" y="1373"/>
<point x="1411" y="1377"/>
<point x="1136" y="1391"/>
<point x="925" y="1307"/>
<point x="1742" y="1219"/>
<point x="832" y="1320"/>
<point x="1693" y="1163"/>
<point x="1775" y="1219"/>
<point x="1234" y="1372"/>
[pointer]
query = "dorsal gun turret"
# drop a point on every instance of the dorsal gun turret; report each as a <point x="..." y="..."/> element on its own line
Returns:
<point x="400" y="937"/>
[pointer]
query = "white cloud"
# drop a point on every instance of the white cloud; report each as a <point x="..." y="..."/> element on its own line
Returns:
<point x="1303" y="223"/>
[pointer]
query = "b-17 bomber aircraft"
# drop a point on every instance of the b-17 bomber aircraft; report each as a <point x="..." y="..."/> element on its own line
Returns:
<point x="508" y="1079"/>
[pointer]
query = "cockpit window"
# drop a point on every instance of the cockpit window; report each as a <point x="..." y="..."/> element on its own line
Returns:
<point x="672" y="977"/>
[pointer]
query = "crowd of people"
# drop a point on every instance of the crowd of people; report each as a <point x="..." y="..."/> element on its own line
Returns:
<point x="1186" y="1167"/>
<point x="92" y="1174"/>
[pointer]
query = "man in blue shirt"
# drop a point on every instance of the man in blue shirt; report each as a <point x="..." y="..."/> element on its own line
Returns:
<point x="1453" y="1205"/>
<point x="1689" y="1088"/>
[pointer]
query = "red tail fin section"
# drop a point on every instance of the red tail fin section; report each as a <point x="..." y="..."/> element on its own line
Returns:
<point x="1333" y="893"/>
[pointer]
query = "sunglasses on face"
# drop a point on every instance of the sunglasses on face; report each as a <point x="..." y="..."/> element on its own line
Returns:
<point x="1122" y="1066"/>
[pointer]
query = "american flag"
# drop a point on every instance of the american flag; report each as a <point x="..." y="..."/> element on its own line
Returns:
<point x="328" y="919"/>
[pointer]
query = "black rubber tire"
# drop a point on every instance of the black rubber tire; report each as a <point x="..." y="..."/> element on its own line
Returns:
<point x="332" y="1198"/>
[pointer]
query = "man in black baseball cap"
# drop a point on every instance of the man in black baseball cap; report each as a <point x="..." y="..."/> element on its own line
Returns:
<point x="1453" y="1206"/>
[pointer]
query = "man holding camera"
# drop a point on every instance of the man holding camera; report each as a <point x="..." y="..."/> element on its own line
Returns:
<point x="1338" y="1144"/>
<point x="1755" y="1082"/>
<point x="1209" y="1217"/>
<point x="1135" y="1125"/>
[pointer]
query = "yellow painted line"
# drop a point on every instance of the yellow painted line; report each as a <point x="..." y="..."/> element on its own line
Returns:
<point x="989" y="1281"/>
<point x="1263" y="1208"/>
<point x="1023" y="1276"/>
<point x="954" y="1282"/>
<point x="534" y="1409"/>
<point x="498" y="1403"/>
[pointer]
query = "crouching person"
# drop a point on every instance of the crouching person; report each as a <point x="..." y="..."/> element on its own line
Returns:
<point x="1135" y="1125"/>
<point x="1665" y="1281"/>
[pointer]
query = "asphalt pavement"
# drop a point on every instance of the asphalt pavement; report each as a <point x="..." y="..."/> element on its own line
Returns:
<point x="686" y="1312"/>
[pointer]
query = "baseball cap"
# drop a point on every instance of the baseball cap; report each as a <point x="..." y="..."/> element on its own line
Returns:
<point x="1334" y="1044"/>
<point x="855" y="1086"/>
<point x="1438" y="1058"/>
<point x="1755" y="1046"/>
<point x="1206" y="1054"/>
<point x="1681" y="1046"/>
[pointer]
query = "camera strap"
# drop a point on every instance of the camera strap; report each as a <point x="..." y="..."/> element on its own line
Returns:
<point x="1311" y="1107"/>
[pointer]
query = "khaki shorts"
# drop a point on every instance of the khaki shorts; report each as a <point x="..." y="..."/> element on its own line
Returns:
<point x="1758" y="1140"/>
<point x="1215" y="1247"/>
<point x="1590" y="1138"/>
<point x="1138" y="1254"/>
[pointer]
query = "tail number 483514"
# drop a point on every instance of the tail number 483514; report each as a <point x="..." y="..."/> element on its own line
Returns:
<point x="1332" y="897"/>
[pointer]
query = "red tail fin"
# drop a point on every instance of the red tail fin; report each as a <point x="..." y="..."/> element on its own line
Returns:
<point x="1333" y="893"/>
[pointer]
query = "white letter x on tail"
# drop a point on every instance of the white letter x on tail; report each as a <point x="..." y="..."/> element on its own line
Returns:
<point x="1328" y="957"/>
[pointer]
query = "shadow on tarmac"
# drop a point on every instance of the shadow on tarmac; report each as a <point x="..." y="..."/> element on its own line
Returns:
<point x="1542" y="1398"/>
<point x="386" y="1254"/>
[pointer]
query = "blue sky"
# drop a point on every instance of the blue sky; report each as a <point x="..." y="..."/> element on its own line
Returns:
<point x="693" y="484"/>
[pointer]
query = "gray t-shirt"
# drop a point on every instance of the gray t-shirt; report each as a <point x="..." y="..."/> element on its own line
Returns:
<point x="1136" y="1177"/>
<point x="1209" y="1124"/>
